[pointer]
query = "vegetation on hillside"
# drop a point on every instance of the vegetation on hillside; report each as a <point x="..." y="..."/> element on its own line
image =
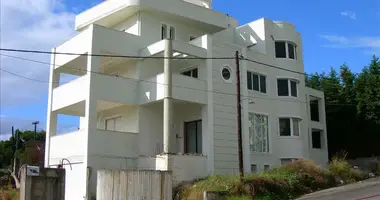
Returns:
<point x="286" y="182"/>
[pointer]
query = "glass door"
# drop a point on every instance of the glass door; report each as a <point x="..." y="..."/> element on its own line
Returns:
<point x="193" y="137"/>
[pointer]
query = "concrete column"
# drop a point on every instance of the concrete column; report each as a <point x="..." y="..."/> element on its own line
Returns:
<point x="51" y="120"/>
<point x="168" y="107"/>
<point x="90" y="119"/>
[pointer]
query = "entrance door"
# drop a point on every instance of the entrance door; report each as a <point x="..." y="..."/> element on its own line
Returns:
<point x="193" y="137"/>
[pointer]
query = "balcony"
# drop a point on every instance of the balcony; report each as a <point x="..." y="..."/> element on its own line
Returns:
<point x="108" y="88"/>
<point x="119" y="145"/>
<point x="70" y="93"/>
<point x="184" y="88"/>
<point x="71" y="146"/>
<point x="108" y="41"/>
<point x="112" y="12"/>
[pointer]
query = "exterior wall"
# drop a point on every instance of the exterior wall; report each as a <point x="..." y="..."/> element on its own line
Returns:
<point x="132" y="25"/>
<point x="224" y="111"/>
<point x="128" y="116"/>
<point x="151" y="28"/>
<point x="320" y="156"/>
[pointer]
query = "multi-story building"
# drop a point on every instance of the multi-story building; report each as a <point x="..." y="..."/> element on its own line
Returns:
<point x="162" y="95"/>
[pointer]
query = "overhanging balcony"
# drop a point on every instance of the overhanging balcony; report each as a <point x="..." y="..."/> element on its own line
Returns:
<point x="107" y="88"/>
<point x="108" y="41"/>
<point x="180" y="48"/>
<point x="184" y="88"/>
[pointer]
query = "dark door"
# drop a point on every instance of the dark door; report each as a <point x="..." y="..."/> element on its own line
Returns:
<point x="193" y="137"/>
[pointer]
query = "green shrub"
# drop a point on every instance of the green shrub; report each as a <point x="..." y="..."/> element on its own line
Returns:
<point x="212" y="183"/>
<point x="341" y="168"/>
<point x="310" y="176"/>
<point x="264" y="186"/>
<point x="239" y="198"/>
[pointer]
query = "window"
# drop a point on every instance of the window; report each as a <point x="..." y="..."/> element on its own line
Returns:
<point x="285" y="49"/>
<point x="164" y="29"/>
<point x="316" y="139"/>
<point x="266" y="167"/>
<point x="167" y="32"/>
<point x="113" y="124"/>
<point x="280" y="49"/>
<point x="192" y="73"/>
<point x="226" y="73"/>
<point x="193" y="137"/>
<point x="286" y="85"/>
<point x="253" y="168"/>
<point x="256" y="82"/>
<point x="258" y="133"/>
<point x="287" y="160"/>
<point x="289" y="126"/>
<point x="314" y="110"/>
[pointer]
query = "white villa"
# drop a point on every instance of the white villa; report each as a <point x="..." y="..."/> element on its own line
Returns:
<point x="140" y="110"/>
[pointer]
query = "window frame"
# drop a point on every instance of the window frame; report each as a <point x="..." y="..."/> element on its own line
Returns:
<point x="289" y="83"/>
<point x="112" y="118"/>
<point x="191" y="69"/>
<point x="254" y="166"/>
<point x="169" y="27"/>
<point x="320" y="139"/>
<point x="287" y="43"/>
<point x="231" y="73"/>
<point x="291" y="118"/>
<point x="269" y="141"/>
<point x="259" y="80"/>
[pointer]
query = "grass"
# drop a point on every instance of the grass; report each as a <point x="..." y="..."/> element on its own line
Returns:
<point x="286" y="182"/>
<point x="9" y="194"/>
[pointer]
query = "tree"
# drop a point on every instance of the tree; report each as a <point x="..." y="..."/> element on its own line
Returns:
<point x="352" y="108"/>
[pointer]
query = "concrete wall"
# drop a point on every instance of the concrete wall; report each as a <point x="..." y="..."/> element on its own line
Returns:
<point x="151" y="27"/>
<point x="128" y="116"/>
<point x="131" y="25"/>
<point x="224" y="111"/>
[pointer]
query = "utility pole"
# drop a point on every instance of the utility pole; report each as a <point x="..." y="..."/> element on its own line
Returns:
<point x="35" y="128"/>
<point x="240" y="146"/>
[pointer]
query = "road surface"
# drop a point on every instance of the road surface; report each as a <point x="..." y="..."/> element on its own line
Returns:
<point x="365" y="190"/>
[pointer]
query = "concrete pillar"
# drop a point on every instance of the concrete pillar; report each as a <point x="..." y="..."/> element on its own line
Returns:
<point x="90" y="119"/>
<point x="168" y="107"/>
<point x="51" y="120"/>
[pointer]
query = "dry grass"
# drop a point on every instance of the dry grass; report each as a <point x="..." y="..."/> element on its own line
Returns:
<point x="9" y="194"/>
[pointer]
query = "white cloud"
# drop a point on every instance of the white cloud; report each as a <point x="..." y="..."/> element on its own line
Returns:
<point x="30" y="24"/>
<point x="349" y="14"/>
<point x="369" y="43"/>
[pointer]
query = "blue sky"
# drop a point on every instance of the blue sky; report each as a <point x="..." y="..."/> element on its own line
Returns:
<point x="333" y="32"/>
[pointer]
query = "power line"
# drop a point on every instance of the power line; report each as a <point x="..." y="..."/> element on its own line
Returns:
<point x="138" y="80"/>
<point x="114" y="56"/>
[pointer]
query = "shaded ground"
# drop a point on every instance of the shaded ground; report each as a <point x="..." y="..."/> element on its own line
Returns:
<point x="365" y="190"/>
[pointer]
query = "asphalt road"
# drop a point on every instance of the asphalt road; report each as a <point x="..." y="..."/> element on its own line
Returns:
<point x="366" y="190"/>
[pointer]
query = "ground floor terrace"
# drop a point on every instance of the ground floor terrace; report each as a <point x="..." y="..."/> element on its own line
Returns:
<point x="126" y="136"/>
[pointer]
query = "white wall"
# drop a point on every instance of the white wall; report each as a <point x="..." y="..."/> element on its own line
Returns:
<point x="130" y="25"/>
<point x="151" y="27"/>
<point x="128" y="116"/>
<point x="224" y="112"/>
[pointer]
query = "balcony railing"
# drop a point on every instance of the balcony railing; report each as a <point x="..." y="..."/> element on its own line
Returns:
<point x="184" y="88"/>
<point x="70" y="93"/>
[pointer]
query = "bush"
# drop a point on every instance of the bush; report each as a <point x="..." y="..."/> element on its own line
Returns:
<point x="231" y="184"/>
<point x="341" y="168"/>
<point x="264" y="186"/>
<point x="310" y="176"/>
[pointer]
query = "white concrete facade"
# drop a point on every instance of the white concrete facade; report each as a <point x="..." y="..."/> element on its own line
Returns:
<point x="120" y="99"/>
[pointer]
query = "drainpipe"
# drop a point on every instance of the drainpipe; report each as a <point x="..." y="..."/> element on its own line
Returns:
<point x="168" y="110"/>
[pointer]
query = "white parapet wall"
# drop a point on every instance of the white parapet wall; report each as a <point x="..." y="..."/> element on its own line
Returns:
<point x="183" y="167"/>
